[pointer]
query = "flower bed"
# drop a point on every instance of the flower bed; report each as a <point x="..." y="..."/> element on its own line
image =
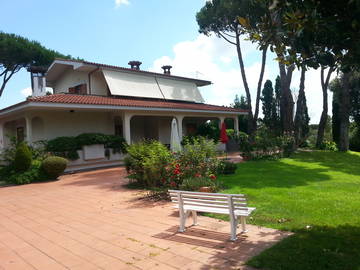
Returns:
<point x="152" y="165"/>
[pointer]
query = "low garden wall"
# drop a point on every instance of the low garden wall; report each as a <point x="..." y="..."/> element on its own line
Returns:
<point x="95" y="156"/>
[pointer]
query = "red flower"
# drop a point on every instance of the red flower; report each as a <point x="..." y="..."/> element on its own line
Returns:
<point x="197" y="175"/>
<point x="173" y="184"/>
<point x="213" y="177"/>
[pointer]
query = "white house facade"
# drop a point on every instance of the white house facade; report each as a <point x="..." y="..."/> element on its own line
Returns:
<point x="96" y="98"/>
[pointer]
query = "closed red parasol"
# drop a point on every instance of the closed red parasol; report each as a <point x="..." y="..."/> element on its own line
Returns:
<point x="223" y="136"/>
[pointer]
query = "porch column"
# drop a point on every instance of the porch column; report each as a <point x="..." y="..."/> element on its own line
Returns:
<point x="126" y="127"/>
<point x="28" y="129"/>
<point x="236" y="125"/>
<point x="222" y="119"/>
<point x="179" y="119"/>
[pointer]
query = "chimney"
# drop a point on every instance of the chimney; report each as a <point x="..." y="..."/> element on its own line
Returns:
<point x="135" y="65"/>
<point x="166" y="69"/>
<point x="38" y="81"/>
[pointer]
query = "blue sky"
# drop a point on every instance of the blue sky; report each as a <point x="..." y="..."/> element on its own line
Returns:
<point x="156" y="32"/>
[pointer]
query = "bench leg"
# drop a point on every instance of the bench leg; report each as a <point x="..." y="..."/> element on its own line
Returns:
<point x="243" y="224"/>
<point x="233" y="225"/>
<point x="194" y="216"/>
<point x="182" y="216"/>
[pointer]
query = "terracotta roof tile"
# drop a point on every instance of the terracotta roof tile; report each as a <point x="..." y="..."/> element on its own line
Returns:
<point x="129" y="102"/>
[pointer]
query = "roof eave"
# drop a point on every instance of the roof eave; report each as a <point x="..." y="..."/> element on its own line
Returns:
<point x="41" y="105"/>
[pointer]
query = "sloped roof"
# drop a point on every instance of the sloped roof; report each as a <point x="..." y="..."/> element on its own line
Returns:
<point x="129" y="102"/>
<point x="198" y="82"/>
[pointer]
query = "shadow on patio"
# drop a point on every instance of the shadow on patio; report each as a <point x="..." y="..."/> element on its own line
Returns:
<point x="220" y="252"/>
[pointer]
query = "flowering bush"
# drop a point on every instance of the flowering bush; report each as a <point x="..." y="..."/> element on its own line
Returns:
<point x="151" y="164"/>
<point x="196" y="183"/>
<point x="146" y="163"/>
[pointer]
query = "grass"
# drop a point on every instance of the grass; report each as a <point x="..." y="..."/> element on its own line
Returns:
<point x="314" y="194"/>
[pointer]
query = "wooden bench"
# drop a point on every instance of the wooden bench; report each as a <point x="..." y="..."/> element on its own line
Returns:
<point x="233" y="205"/>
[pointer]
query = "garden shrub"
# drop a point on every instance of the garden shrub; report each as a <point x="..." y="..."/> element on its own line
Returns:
<point x="265" y="146"/>
<point x="33" y="174"/>
<point x="195" y="183"/>
<point x="209" y="130"/>
<point x="63" y="146"/>
<point x="38" y="150"/>
<point x="23" y="157"/>
<point x="117" y="143"/>
<point x="146" y="162"/>
<point x="227" y="167"/>
<point x="230" y="133"/>
<point x="151" y="164"/>
<point x="355" y="139"/>
<point x="54" y="166"/>
<point x="8" y="153"/>
<point x="67" y="146"/>
<point x="328" y="146"/>
<point x="90" y="139"/>
<point x="244" y="144"/>
<point x="199" y="157"/>
<point x="287" y="144"/>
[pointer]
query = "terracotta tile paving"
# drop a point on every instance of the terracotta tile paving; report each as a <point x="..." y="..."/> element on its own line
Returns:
<point x="89" y="220"/>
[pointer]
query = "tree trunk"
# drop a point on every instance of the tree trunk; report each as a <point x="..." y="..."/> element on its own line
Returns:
<point x="324" y="114"/>
<point x="344" y="113"/>
<point x="299" y="109"/>
<point x="251" y="119"/>
<point x="7" y="74"/>
<point x="286" y="101"/>
<point x="258" y="93"/>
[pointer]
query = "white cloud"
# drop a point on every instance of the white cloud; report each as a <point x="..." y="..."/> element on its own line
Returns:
<point x="213" y="59"/>
<point x="118" y="3"/>
<point x="26" y="91"/>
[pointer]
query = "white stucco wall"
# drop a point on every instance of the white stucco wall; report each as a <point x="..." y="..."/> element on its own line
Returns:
<point x="65" y="123"/>
<point x="70" y="78"/>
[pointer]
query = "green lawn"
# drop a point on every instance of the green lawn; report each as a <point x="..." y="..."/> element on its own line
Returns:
<point x="316" y="189"/>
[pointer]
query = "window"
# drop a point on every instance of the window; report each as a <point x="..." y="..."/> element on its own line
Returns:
<point x="80" y="89"/>
<point x="118" y="129"/>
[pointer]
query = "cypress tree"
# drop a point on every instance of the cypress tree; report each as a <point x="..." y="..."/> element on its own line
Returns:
<point x="269" y="106"/>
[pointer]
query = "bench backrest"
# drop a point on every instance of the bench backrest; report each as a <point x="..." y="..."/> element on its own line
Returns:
<point x="213" y="200"/>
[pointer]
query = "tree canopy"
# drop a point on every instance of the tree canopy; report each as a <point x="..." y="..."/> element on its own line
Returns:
<point x="221" y="18"/>
<point x="17" y="52"/>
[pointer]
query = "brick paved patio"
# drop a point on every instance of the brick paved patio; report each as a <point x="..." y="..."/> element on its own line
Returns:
<point x="90" y="221"/>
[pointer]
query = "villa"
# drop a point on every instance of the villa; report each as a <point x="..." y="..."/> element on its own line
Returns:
<point x="97" y="98"/>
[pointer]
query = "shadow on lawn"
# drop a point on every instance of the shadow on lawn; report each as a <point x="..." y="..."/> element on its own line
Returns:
<point x="346" y="162"/>
<point x="320" y="248"/>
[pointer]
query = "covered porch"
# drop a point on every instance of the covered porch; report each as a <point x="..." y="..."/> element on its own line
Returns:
<point x="41" y="125"/>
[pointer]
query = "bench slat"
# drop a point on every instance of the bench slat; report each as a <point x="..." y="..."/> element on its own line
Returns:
<point x="206" y="193"/>
<point x="195" y="196"/>
<point x="213" y="205"/>
<point x="223" y="203"/>
<point x="238" y="213"/>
